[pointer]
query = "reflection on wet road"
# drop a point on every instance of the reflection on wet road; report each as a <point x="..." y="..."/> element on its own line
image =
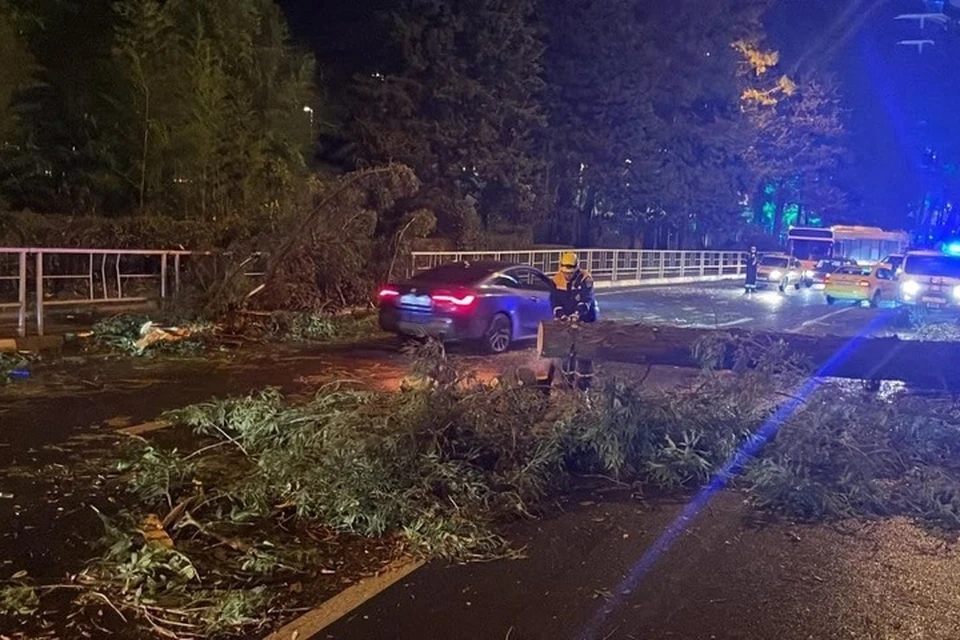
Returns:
<point x="725" y="306"/>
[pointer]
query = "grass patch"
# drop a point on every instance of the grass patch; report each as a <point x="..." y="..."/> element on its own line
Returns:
<point x="129" y="334"/>
<point x="315" y="327"/>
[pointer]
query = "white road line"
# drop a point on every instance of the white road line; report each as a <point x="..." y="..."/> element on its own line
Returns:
<point x="820" y="319"/>
<point x="722" y="325"/>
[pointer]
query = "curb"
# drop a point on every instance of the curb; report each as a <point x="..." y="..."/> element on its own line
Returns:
<point x="32" y="344"/>
<point x="318" y="619"/>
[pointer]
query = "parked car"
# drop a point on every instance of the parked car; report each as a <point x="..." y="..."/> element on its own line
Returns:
<point x="493" y="303"/>
<point x="861" y="284"/>
<point x="816" y="278"/>
<point x="779" y="270"/>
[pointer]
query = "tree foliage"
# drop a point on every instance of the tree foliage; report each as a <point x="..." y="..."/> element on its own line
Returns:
<point x="461" y="107"/>
<point x="571" y="121"/>
<point x="184" y="107"/>
<point x="643" y="114"/>
<point x="17" y="71"/>
<point x="797" y="136"/>
<point x="214" y="104"/>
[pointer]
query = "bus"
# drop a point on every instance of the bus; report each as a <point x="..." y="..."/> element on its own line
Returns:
<point x="865" y="245"/>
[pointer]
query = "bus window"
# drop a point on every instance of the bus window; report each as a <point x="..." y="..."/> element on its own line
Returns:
<point x="812" y="250"/>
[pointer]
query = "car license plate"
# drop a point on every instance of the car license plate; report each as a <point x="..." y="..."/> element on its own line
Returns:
<point x="414" y="301"/>
<point x="934" y="301"/>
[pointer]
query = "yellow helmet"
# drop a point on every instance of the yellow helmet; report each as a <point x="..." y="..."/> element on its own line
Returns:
<point x="569" y="261"/>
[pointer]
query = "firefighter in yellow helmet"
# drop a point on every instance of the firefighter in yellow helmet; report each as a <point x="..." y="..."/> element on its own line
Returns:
<point x="573" y="301"/>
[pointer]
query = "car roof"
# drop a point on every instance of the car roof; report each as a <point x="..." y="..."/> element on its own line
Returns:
<point x="476" y="271"/>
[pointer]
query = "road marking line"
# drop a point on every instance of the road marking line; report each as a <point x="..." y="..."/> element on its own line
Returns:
<point x="721" y="325"/>
<point x="318" y="619"/>
<point x="820" y="319"/>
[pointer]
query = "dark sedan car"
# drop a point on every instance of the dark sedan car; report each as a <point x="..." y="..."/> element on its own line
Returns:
<point x="818" y="277"/>
<point x="494" y="303"/>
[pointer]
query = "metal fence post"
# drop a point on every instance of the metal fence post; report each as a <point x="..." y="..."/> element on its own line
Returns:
<point x="163" y="276"/>
<point x="39" y="276"/>
<point x="176" y="274"/>
<point x="703" y="263"/>
<point x="22" y="297"/>
<point x="90" y="276"/>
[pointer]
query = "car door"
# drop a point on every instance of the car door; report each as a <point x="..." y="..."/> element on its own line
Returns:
<point x="886" y="282"/>
<point x="534" y="303"/>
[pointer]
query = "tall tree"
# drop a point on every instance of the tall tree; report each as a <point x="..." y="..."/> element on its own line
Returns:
<point x="220" y="104"/>
<point x="798" y="135"/>
<point x="17" y="72"/>
<point x="461" y="104"/>
<point x="644" y="111"/>
<point x="598" y="102"/>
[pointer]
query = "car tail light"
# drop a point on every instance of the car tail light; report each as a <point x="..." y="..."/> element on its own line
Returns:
<point x="464" y="301"/>
<point x="387" y="294"/>
<point x="864" y="283"/>
<point x="453" y="301"/>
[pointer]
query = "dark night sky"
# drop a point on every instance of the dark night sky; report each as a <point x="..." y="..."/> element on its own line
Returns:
<point x="889" y="90"/>
<point x="899" y="100"/>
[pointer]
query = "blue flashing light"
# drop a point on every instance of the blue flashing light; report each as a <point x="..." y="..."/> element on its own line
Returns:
<point x="951" y="248"/>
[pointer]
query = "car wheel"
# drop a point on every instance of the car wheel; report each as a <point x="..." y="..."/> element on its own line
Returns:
<point x="783" y="286"/>
<point x="499" y="335"/>
<point x="797" y="286"/>
<point x="831" y="300"/>
<point x="875" y="300"/>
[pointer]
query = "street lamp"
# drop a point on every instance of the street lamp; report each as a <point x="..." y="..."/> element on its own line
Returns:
<point x="310" y="111"/>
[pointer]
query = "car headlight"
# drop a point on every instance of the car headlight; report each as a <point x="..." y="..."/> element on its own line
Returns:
<point x="910" y="288"/>
<point x="956" y="292"/>
<point x="776" y="275"/>
<point x="808" y="274"/>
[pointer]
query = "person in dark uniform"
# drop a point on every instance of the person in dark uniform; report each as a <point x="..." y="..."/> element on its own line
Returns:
<point x="573" y="300"/>
<point x="753" y="261"/>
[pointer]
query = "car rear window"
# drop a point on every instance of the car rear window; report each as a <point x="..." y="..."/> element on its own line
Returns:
<point x="771" y="261"/>
<point x="454" y="273"/>
<point x="854" y="271"/>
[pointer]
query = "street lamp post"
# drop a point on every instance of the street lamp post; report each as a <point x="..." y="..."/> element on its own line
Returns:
<point x="309" y="110"/>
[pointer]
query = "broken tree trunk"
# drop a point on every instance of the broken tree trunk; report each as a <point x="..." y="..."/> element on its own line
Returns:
<point x="924" y="364"/>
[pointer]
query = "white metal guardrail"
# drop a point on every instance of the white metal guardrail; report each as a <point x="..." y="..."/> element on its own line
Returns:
<point x="609" y="267"/>
<point x="34" y="280"/>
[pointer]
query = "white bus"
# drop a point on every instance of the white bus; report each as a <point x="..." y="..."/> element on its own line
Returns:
<point x="866" y="245"/>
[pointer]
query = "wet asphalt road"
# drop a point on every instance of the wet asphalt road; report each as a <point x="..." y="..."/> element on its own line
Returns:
<point x="725" y="306"/>
<point x="585" y="555"/>
<point x="41" y="411"/>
